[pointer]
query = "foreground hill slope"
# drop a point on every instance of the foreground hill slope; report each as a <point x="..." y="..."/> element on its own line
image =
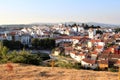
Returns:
<point x="29" y="72"/>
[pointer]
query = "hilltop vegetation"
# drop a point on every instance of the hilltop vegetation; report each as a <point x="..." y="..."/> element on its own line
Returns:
<point x="22" y="56"/>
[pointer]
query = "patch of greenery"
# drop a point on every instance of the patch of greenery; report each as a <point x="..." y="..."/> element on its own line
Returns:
<point x="112" y="69"/>
<point x="18" y="57"/>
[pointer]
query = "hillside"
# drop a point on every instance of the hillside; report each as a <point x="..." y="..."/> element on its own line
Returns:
<point x="29" y="72"/>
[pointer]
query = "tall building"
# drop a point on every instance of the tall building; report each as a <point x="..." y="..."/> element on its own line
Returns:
<point x="91" y="33"/>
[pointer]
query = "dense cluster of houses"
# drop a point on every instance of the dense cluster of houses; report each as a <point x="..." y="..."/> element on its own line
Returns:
<point x="93" y="50"/>
<point x="89" y="48"/>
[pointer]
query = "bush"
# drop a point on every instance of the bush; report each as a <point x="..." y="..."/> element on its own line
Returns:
<point x="26" y="58"/>
<point x="43" y="56"/>
<point x="77" y="66"/>
<point x="22" y="57"/>
<point x="33" y="59"/>
<point x="64" y="64"/>
<point x="112" y="69"/>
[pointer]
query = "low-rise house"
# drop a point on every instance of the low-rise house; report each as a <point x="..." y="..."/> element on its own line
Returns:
<point x="56" y="52"/>
<point x="113" y="58"/>
<point x="99" y="48"/>
<point x="117" y="50"/>
<point x="25" y="39"/>
<point x="2" y="37"/>
<point x="65" y="44"/>
<point x="71" y="39"/>
<point x="73" y="54"/>
<point x="68" y="50"/>
<point x="10" y="35"/>
<point x="94" y="55"/>
<point x="117" y="64"/>
<point x="88" y="63"/>
<point x="77" y="56"/>
<point x="103" y="56"/>
<point x="78" y="47"/>
<point x="103" y="64"/>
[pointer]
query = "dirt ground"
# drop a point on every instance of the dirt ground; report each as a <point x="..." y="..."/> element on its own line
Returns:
<point x="30" y="72"/>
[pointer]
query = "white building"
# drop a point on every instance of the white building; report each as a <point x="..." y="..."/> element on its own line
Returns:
<point x="91" y="33"/>
<point x="77" y="57"/>
<point x="88" y="63"/>
<point x="25" y="39"/>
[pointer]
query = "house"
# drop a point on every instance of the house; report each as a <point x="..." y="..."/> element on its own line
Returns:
<point x="103" y="64"/>
<point x="94" y="55"/>
<point x="73" y="54"/>
<point x="88" y="63"/>
<point x="68" y="50"/>
<point x="56" y="52"/>
<point x="78" y="47"/>
<point x="17" y="37"/>
<point x="90" y="44"/>
<point x="117" y="50"/>
<point x="103" y="56"/>
<point x="117" y="64"/>
<point x="65" y="44"/>
<point x="25" y="39"/>
<point x="91" y="33"/>
<point x="70" y="39"/>
<point x="77" y="56"/>
<point x="2" y="37"/>
<point x="99" y="48"/>
<point x="113" y="58"/>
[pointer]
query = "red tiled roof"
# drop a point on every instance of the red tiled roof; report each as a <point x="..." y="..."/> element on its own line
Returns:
<point x="116" y="56"/>
<point x="73" y="52"/>
<point x="12" y="33"/>
<point x="94" y="52"/>
<point x="66" y="44"/>
<point x="68" y="48"/>
<point x="93" y="40"/>
<point x="99" y="47"/>
<point x="69" y="37"/>
<point x="89" y="61"/>
<point x="106" y="51"/>
<point x="81" y="54"/>
<point x="103" y="62"/>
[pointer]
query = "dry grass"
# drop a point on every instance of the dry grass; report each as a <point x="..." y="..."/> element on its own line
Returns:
<point x="29" y="72"/>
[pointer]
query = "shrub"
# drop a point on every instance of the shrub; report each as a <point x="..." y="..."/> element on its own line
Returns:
<point x="64" y="64"/>
<point x="43" y="56"/>
<point x="33" y="59"/>
<point x="26" y="58"/>
<point x="112" y="70"/>
<point x="21" y="57"/>
<point x="77" y="66"/>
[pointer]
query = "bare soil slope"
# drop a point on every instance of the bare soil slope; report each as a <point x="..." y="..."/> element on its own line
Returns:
<point x="29" y="72"/>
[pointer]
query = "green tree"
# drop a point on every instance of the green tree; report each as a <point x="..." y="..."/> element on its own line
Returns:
<point x="99" y="32"/>
<point x="15" y="44"/>
<point x="3" y="53"/>
<point x="35" y="42"/>
<point x="83" y="25"/>
<point x="46" y="43"/>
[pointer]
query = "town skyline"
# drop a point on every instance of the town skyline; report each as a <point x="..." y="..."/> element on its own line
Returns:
<point x="45" y="11"/>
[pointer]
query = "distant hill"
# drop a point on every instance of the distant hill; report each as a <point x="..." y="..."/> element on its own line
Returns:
<point x="15" y="25"/>
<point x="68" y="23"/>
<point x="102" y="24"/>
<point x="95" y="24"/>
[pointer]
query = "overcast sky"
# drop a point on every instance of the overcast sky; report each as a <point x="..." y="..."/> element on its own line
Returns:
<point x="30" y="11"/>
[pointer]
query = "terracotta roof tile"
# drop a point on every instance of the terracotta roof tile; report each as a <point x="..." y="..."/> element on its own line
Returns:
<point x="103" y="62"/>
<point x="89" y="61"/>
